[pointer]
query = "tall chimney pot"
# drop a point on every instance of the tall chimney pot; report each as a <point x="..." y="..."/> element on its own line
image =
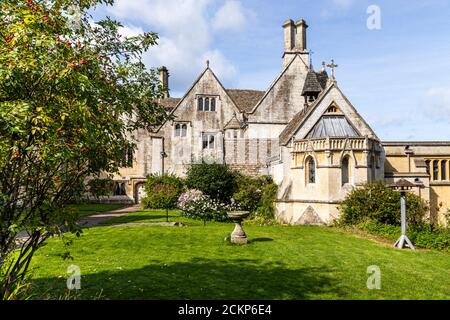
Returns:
<point x="289" y="35"/>
<point x="164" y="79"/>
<point x="301" y="27"/>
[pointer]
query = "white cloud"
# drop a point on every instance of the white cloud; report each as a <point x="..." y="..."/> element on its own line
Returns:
<point x="186" y="34"/>
<point x="130" y="31"/>
<point x="231" y="16"/>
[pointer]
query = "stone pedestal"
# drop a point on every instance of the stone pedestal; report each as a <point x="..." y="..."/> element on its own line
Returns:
<point x="238" y="235"/>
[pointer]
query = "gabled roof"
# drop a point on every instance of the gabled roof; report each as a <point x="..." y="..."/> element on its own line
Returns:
<point x="234" y="123"/>
<point x="312" y="84"/>
<point x="292" y="126"/>
<point x="287" y="133"/>
<point x="245" y="99"/>
<point x="322" y="77"/>
<point x="276" y="81"/>
<point x="177" y="104"/>
<point x="300" y="117"/>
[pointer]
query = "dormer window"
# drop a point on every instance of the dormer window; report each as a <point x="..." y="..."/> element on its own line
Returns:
<point x="180" y="130"/>
<point x="206" y="103"/>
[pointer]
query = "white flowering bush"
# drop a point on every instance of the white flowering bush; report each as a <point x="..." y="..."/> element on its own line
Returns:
<point x="196" y="205"/>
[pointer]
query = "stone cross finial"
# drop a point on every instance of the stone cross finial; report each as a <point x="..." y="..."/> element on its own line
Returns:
<point x="207" y="63"/>
<point x="332" y="65"/>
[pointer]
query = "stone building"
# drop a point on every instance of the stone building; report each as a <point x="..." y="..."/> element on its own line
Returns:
<point x="303" y="131"/>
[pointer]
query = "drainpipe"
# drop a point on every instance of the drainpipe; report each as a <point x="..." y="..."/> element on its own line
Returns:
<point x="163" y="155"/>
<point x="223" y="146"/>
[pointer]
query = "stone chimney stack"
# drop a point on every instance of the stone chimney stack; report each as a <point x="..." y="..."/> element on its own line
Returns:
<point x="301" y="27"/>
<point x="289" y="35"/>
<point x="164" y="79"/>
<point x="295" y="41"/>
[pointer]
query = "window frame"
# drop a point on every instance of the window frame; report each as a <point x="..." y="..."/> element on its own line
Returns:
<point x="200" y="104"/>
<point x="208" y="141"/>
<point x="435" y="170"/>
<point x="180" y="130"/>
<point x="443" y="170"/>
<point x="127" y="158"/>
<point x="345" y="170"/>
<point x="310" y="170"/>
<point x="207" y="103"/>
<point x="120" y="188"/>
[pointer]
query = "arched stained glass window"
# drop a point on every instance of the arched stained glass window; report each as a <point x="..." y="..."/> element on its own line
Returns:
<point x="311" y="171"/>
<point x="345" y="171"/>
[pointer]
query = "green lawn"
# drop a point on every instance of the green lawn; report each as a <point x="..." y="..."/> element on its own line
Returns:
<point x="195" y="262"/>
<point x="88" y="209"/>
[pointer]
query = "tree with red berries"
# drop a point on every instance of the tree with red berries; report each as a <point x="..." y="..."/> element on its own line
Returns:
<point x="71" y="95"/>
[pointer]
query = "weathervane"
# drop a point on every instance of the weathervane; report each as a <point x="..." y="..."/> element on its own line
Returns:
<point x="332" y="65"/>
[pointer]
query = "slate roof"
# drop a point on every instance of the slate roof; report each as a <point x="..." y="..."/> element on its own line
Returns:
<point x="292" y="126"/>
<point x="285" y="135"/>
<point x="245" y="99"/>
<point x="322" y="77"/>
<point x="169" y="103"/>
<point x="312" y="84"/>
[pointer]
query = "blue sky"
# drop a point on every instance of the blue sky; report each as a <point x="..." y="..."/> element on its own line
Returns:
<point x="398" y="77"/>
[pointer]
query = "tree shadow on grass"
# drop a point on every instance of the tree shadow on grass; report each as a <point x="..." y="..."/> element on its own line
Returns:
<point x="137" y="218"/>
<point x="204" y="279"/>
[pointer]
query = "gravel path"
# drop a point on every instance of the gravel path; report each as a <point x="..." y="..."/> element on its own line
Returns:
<point x="97" y="219"/>
<point x="94" y="220"/>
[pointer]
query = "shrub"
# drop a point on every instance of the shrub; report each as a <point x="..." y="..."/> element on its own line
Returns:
<point x="162" y="192"/>
<point x="266" y="209"/>
<point x="421" y="235"/>
<point x="196" y="205"/>
<point x="250" y="191"/>
<point x="101" y="187"/>
<point x="215" y="180"/>
<point x="377" y="202"/>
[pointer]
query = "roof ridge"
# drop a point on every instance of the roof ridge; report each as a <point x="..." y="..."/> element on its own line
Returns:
<point x="245" y="89"/>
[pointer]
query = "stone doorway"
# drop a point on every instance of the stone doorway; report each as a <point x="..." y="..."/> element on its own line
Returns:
<point x="139" y="192"/>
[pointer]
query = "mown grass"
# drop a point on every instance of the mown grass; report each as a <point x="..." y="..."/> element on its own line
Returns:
<point x="195" y="262"/>
<point x="88" y="209"/>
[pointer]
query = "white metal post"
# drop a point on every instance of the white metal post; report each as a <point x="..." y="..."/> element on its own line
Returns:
<point x="403" y="238"/>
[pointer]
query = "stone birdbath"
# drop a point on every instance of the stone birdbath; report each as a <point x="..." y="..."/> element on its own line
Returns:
<point x="238" y="235"/>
